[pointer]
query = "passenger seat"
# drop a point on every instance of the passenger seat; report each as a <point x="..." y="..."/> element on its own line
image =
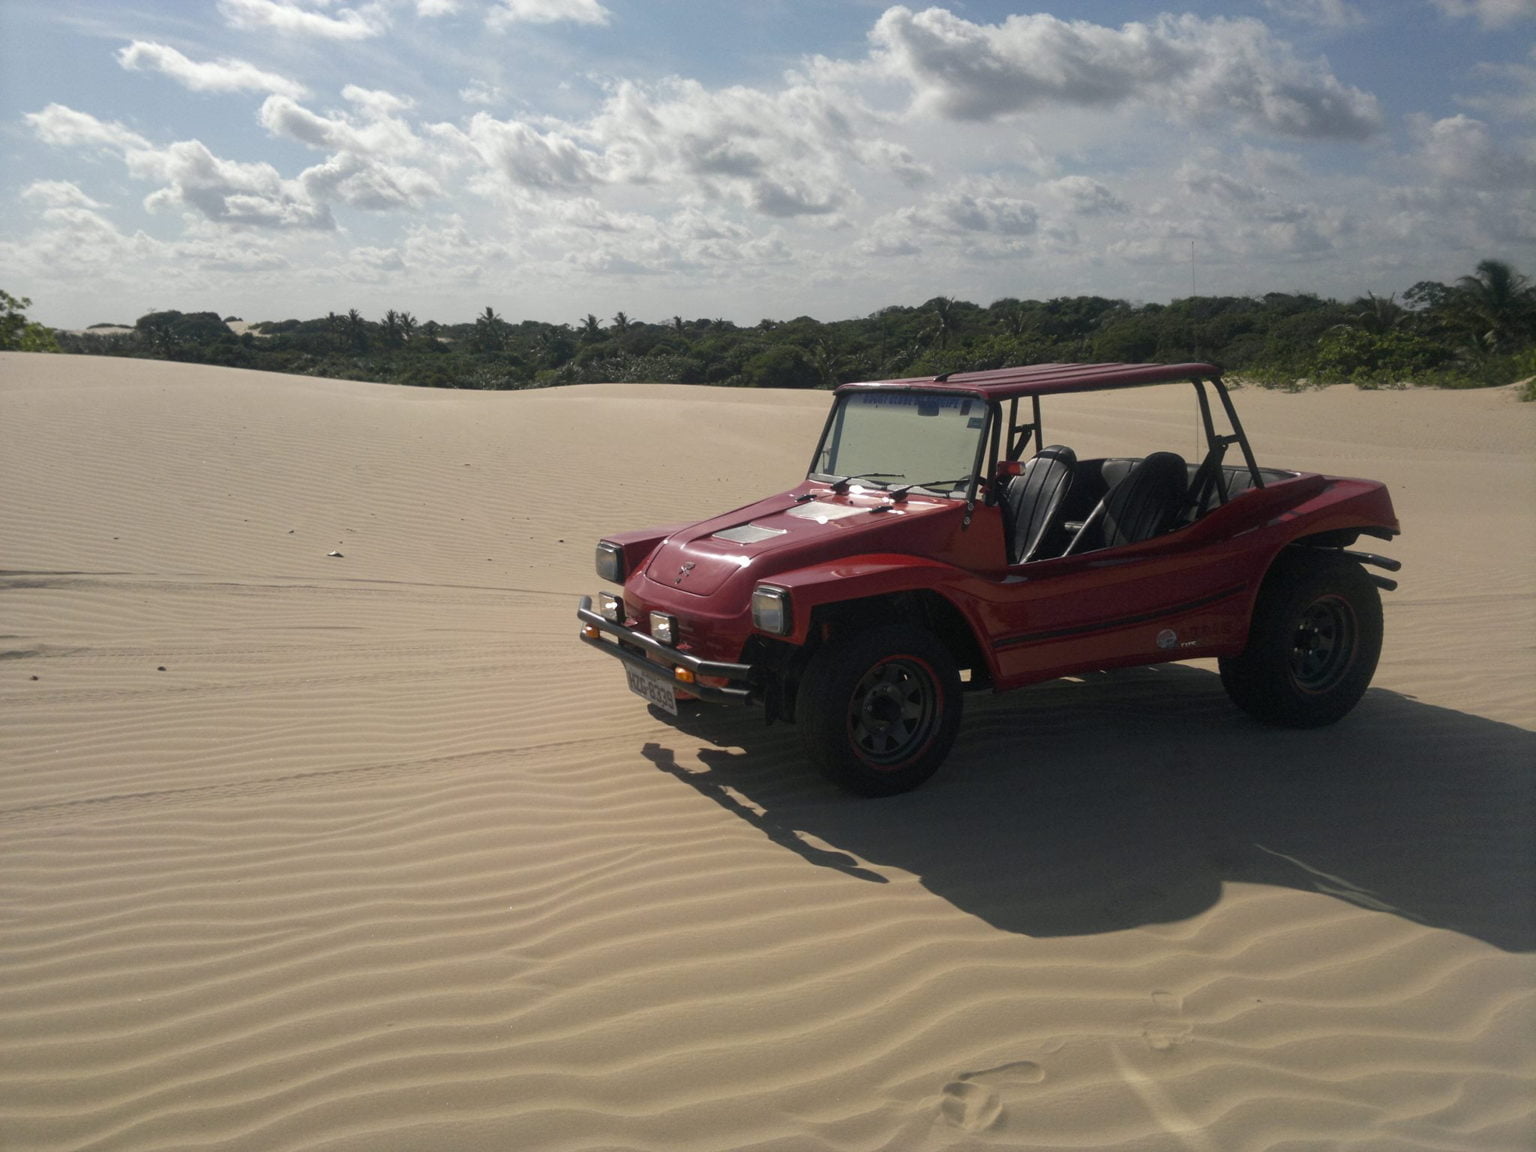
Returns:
<point x="1147" y="502"/>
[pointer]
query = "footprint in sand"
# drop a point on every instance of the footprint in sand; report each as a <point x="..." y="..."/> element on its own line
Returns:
<point x="973" y="1101"/>
<point x="1165" y="1035"/>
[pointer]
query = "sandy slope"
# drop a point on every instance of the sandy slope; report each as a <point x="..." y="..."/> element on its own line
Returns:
<point x="366" y="852"/>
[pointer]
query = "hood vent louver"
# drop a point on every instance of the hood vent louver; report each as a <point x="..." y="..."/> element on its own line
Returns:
<point x="748" y="534"/>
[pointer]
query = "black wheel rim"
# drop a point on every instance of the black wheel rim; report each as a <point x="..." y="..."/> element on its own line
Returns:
<point x="894" y="710"/>
<point x="1324" y="645"/>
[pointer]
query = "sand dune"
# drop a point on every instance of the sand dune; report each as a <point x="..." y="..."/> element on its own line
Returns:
<point x="304" y="851"/>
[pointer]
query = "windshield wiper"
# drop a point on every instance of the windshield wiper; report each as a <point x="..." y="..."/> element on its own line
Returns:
<point x="840" y="484"/>
<point x="941" y="485"/>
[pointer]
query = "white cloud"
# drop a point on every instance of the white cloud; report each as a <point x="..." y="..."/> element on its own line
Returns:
<point x="1085" y="196"/>
<point x="1511" y="90"/>
<point x="1035" y="156"/>
<point x="509" y="12"/>
<point x="293" y="19"/>
<point x="58" y="194"/>
<point x="378" y="130"/>
<point x="66" y="128"/>
<point x="524" y="156"/>
<point x="212" y="76"/>
<point x="368" y="167"/>
<point x="375" y="103"/>
<point x="702" y="247"/>
<point x="1489" y="13"/>
<point x="230" y="252"/>
<point x="779" y="153"/>
<point x="222" y="191"/>
<point x="1461" y="150"/>
<point x="355" y="180"/>
<point x="975" y="220"/>
<point x="1217" y="68"/>
<point x="376" y="260"/>
<point x="967" y="212"/>
<point x="1327" y="13"/>
<point x="480" y="92"/>
<point x="226" y="191"/>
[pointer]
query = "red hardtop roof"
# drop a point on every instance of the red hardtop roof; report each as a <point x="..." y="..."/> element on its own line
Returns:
<point x="1041" y="379"/>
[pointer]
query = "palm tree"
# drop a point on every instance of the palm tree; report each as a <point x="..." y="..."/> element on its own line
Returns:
<point x="1379" y="314"/>
<point x="1499" y="304"/>
<point x="591" y="328"/>
<point x="356" y="330"/>
<point x="946" y="320"/>
<point x="407" y="326"/>
<point x="620" y="323"/>
<point x="490" y="331"/>
<point x="825" y="361"/>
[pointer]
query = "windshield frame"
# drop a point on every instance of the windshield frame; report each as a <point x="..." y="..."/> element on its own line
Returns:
<point x="985" y="436"/>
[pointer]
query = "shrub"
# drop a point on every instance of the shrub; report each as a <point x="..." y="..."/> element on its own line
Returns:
<point x="19" y="334"/>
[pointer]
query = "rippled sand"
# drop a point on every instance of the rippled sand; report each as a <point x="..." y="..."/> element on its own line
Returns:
<point x="366" y="851"/>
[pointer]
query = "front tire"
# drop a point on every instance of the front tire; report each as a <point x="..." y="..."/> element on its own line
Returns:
<point x="878" y="712"/>
<point x="1312" y="645"/>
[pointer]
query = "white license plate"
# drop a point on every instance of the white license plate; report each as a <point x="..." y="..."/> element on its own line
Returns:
<point x="652" y="686"/>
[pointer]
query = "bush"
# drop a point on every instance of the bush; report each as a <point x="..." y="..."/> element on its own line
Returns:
<point x="17" y="333"/>
<point x="1376" y="359"/>
<point x="782" y="366"/>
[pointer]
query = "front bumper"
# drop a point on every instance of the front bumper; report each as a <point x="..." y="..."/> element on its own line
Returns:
<point x="741" y="685"/>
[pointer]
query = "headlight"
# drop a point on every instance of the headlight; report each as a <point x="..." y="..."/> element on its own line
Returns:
<point x="664" y="627"/>
<point x="610" y="607"/>
<point x="770" y="610"/>
<point x="610" y="562"/>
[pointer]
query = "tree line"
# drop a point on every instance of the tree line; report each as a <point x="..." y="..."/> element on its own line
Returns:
<point x="1475" y="332"/>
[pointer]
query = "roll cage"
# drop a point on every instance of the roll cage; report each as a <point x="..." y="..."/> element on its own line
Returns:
<point x="1015" y="425"/>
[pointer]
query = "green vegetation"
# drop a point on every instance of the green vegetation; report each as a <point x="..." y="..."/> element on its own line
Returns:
<point x="1477" y="332"/>
<point x="17" y="333"/>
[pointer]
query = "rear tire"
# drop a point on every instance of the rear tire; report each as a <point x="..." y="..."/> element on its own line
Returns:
<point x="1312" y="645"/>
<point x="879" y="711"/>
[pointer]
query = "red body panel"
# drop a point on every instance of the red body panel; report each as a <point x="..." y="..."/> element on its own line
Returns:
<point x="1185" y="594"/>
<point x="1181" y="594"/>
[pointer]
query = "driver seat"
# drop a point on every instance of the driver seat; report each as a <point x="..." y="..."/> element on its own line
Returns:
<point x="1033" y="497"/>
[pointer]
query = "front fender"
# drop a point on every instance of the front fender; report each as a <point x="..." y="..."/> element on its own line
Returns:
<point x="864" y="577"/>
<point x="637" y="545"/>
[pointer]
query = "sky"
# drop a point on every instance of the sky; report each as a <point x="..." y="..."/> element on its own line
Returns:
<point x="747" y="160"/>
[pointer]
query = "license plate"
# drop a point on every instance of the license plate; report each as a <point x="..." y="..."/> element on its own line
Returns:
<point x="652" y="686"/>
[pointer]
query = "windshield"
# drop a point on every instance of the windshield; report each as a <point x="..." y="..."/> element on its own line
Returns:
<point x="902" y="439"/>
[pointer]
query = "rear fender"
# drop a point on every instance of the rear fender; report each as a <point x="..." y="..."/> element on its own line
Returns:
<point x="1308" y="505"/>
<point x="1343" y="505"/>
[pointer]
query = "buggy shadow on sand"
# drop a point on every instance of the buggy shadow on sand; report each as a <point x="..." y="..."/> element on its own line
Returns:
<point x="1132" y="798"/>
